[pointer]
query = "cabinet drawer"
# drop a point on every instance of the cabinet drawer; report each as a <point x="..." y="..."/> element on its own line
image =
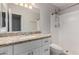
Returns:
<point x="22" y="47"/>
<point x="28" y="53"/>
<point x="3" y="49"/>
<point x="25" y="53"/>
<point x="6" y="50"/>
<point x="37" y="51"/>
<point x="46" y="41"/>
<point x="36" y="44"/>
<point x="45" y="50"/>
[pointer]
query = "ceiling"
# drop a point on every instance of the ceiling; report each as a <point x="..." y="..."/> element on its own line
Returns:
<point x="63" y="5"/>
<point x="52" y="6"/>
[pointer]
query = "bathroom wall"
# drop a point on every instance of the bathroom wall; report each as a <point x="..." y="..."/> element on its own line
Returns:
<point x="69" y="30"/>
<point x="29" y="17"/>
<point x="44" y="18"/>
<point x="54" y="30"/>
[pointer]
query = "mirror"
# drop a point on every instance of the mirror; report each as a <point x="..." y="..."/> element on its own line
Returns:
<point x="3" y="18"/>
<point x="20" y="17"/>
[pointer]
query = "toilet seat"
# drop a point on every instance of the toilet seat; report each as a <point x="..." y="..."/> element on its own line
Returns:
<point x="55" y="46"/>
<point x="56" y="50"/>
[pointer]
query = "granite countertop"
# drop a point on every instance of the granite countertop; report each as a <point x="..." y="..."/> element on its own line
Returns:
<point x="4" y="41"/>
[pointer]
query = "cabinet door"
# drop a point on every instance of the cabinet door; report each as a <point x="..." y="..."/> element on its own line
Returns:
<point x="45" y="41"/>
<point x="22" y="48"/>
<point x="36" y="44"/>
<point x="6" y="50"/>
<point x="37" y="51"/>
<point x="45" y="50"/>
<point x="26" y="53"/>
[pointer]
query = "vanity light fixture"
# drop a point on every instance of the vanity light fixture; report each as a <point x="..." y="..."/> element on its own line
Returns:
<point x="16" y="3"/>
<point x="26" y="5"/>
<point x="33" y="3"/>
<point x="21" y="4"/>
<point x="30" y="6"/>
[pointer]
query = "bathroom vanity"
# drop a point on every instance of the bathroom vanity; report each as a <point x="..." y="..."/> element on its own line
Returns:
<point x="13" y="19"/>
<point x="36" y="44"/>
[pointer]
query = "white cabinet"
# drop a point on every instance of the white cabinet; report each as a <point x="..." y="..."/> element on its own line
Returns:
<point x="26" y="48"/>
<point x="22" y="48"/>
<point x="45" y="50"/>
<point x="28" y="52"/>
<point x="45" y="41"/>
<point x="36" y="47"/>
<point x="7" y="50"/>
<point x="36" y="44"/>
<point x="37" y="51"/>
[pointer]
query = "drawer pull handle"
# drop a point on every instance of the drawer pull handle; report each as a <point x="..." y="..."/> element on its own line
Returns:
<point x="46" y="41"/>
<point x="31" y="53"/>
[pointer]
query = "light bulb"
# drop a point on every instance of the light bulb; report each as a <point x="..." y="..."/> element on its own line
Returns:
<point x="21" y="4"/>
<point x="16" y="3"/>
<point x="30" y="6"/>
<point x="33" y="3"/>
<point x="26" y="5"/>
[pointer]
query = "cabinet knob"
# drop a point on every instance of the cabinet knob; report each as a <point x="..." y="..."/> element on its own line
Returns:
<point x="30" y="53"/>
<point x="46" y="41"/>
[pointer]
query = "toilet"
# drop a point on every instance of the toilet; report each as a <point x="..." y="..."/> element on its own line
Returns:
<point x="56" y="50"/>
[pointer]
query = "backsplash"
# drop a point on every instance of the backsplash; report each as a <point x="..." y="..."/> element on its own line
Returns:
<point x="17" y="33"/>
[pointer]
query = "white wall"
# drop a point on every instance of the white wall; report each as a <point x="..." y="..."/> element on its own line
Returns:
<point x="29" y="17"/>
<point x="54" y="31"/>
<point x="69" y="32"/>
<point x="44" y="18"/>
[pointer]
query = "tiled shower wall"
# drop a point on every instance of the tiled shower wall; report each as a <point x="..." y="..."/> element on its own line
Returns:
<point x="67" y="35"/>
<point x="69" y="32"/>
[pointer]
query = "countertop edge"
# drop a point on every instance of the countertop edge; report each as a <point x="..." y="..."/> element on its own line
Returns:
<point x="14" y="43"/>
